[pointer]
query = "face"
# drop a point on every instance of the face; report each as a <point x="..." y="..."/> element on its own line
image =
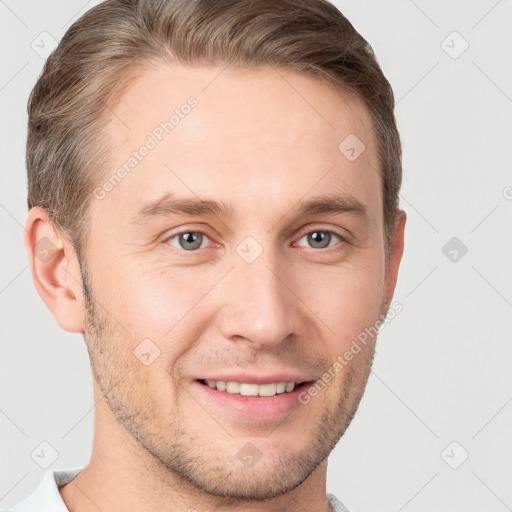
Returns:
<point x="257" y="288"/>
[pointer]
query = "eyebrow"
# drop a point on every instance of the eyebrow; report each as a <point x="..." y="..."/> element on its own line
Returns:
<point x="169" y="205"/>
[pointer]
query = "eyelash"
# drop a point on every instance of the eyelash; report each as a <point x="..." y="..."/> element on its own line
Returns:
<point x="342" y="243"/>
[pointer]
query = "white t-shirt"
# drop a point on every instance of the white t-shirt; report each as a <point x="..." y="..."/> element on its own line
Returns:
<point x="46" y="496"/>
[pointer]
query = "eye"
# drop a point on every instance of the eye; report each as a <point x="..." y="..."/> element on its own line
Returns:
<point x="321" y="238"/>
<point x="191" y="241"/>
<point x="187" y="240"/>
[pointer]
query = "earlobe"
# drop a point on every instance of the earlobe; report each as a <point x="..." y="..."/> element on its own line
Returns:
<point x="55" y="270"/>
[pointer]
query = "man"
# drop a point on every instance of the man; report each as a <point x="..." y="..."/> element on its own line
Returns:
<point x="214" y="189"/>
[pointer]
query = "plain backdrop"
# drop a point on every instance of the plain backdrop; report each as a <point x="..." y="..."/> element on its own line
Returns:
<point x="433" y="431"/>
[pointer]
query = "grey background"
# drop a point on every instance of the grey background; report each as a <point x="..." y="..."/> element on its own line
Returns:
<point x="442" y="369"/>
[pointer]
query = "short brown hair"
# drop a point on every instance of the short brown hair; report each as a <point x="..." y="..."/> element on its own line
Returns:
<point x="106" y="48"/>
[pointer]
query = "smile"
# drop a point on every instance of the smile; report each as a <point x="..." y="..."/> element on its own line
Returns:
<point x="263" y="401"/>
<point x="250" y="389"/>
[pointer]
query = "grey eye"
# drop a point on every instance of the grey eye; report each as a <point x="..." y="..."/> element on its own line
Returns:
<point x="188" y="240"/>
<point x="320" y="239"/>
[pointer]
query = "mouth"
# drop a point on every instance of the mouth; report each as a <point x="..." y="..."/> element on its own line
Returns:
<point x="253" y="389"/>
<point x="270" y="400"/>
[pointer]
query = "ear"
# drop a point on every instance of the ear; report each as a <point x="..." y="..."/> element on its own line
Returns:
<point x="55" y="270"/>
<point x="395" y="256"/>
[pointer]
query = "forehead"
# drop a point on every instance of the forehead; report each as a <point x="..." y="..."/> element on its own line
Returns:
<point x="249" y="102"/>
<point x="251" y="134"/>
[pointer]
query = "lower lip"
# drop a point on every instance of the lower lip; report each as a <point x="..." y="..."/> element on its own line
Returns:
<point x="255" y="406"/>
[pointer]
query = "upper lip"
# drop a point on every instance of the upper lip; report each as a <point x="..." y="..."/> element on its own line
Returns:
<point x="260" y="379"/>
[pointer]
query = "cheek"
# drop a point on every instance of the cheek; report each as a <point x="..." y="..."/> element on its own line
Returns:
<point x="157" y="303"/>
<point x="347" y="299"/>
<point x="153" y="305"/>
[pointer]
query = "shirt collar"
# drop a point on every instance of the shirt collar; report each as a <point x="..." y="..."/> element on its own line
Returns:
<point x="46" y="496"/>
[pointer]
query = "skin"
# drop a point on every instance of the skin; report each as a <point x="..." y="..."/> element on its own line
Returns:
<point x="262" y="140"/>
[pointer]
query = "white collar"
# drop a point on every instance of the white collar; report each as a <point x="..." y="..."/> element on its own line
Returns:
<point x="46" y="496"/>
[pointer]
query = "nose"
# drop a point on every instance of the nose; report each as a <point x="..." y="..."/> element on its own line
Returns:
<point x="260" y="304"/>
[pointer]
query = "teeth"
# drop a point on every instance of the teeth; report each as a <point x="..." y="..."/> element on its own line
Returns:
<point x="281" y="387"/>
<point x="247" y="389"/>
<point x="232" y="387"/>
